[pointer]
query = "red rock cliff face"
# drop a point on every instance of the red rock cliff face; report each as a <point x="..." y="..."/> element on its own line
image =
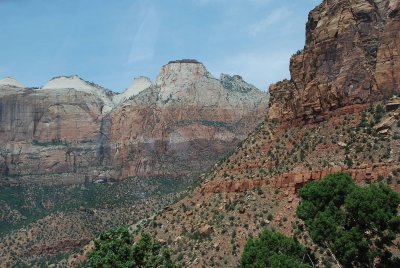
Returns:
<point x="179" y="126"/>
<point x="351" y="55"/>
<point x="184" y="123"/>
<point x="47" y="131"/>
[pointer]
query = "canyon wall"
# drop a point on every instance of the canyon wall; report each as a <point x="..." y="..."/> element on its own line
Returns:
<point x="351" y="55"/>
<point x="74" y="129"/>
<point x="184" y="123"/>
<point x="47" y="131"/>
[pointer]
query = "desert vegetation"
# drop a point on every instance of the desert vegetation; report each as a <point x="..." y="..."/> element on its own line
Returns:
<point x="116" y="248"/>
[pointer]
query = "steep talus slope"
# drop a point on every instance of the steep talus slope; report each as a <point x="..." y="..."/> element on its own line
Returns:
<point x="256" y="187"/>
<point x="351" y="56"/>
<point x="184" y="123"/>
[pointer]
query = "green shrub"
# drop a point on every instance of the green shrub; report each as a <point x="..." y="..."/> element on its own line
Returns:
<point x="379" y="111"/>
<point x="272" y="249"/>
<point x="115" y="248"/>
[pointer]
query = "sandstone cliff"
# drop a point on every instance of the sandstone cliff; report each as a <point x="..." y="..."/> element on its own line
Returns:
<point x="47" y="131"/>
<point x="351" y="55"/>
<point x="183" y="123"/>
<point x="177" y="126"/>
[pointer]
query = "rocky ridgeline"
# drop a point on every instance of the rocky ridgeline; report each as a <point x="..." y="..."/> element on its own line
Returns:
<point x="351" y="55"/>
<point x="177" y="126"/>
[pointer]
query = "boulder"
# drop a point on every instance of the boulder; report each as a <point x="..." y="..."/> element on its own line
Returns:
<point x="206" y="230"/>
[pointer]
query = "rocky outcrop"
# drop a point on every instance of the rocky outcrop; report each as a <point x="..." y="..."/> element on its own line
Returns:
<point x="184" y="123"/>
<point x="55" y="248"/>
<point x="177" y="126"/>
<point x="351" y="55"/>
<point x="295" y="180"/>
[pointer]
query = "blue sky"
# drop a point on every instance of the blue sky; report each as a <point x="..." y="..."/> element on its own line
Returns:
<point x="110" y="42"/>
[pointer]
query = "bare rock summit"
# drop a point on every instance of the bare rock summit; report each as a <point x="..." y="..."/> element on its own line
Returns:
<point x="10" y="81"/>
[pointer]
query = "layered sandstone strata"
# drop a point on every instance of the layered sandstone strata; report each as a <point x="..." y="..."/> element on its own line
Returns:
<point x="47" y="131"/>
<point x="177" y="126"/>
<point x="183" y="123"/>
<point x="351" y="55"/>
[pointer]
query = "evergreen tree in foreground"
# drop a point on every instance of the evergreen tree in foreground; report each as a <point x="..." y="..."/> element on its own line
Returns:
<point x="356" y="223"/>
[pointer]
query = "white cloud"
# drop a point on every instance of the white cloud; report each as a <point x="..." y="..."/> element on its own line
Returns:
<point x="145" y="39"/>
<point x="276" y="16"/>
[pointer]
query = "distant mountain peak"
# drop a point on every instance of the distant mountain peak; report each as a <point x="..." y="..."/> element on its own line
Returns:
<point x="181" y="71"/>
<point x="11" y="81"/>
<point x="189" y="82"/>
<point x="236" y="83"/>
<point x="71" y="81"/>
<point x="77" y="83"/>
<point x="138" y="85"/>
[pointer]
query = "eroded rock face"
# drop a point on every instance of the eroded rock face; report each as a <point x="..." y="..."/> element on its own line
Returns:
<point x="47" y="131"/>
<point x="185" y="122"/>
<point x="178" y="126"/>
<point x="351" y="55"/>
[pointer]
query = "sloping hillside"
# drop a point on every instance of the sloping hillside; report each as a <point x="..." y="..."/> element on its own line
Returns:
<point x="309" y="132"/>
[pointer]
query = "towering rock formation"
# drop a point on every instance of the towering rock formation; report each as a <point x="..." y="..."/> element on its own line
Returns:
<point x="183" y="123"/>
<point x="176" y="127"/>
<point x="52" y="130"/>
<point x="351" y="55"/>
